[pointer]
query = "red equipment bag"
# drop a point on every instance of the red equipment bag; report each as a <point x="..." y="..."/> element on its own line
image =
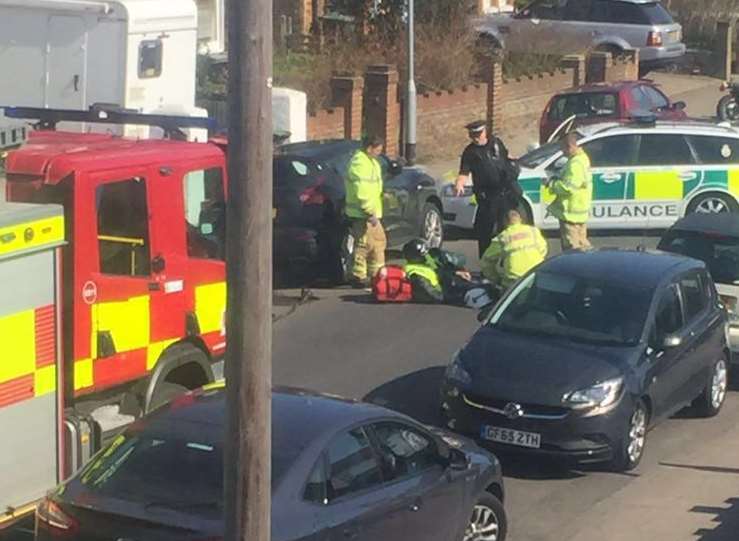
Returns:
<point x="390" y="284"/>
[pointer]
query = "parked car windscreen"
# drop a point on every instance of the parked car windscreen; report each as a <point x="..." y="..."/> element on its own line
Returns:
<point x="574" y="308"/>
<point x="583" y="105"/>
<point x="719" y="253"/>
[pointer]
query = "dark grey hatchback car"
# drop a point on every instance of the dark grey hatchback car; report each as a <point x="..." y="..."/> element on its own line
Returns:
<point x="341" y="470"/>
<point x="587" y="352"/>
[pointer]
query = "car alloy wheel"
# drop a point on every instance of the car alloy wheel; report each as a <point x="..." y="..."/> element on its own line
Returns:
<point x="433" y="226"/>
<point x="637" y="434"/>
<point x="719" y="383"/>
<point x="484" y="524"/>
<point x="712" y="205"/>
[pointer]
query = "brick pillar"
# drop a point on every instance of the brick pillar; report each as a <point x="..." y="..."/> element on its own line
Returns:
<point x="381" y="107"/>
<point x="347" y="91"/>
<point x="631" y="57"/>
<point x="599" y="65"/>
<point x="304" y="10"/>
<point x="576" y="62"/>
<point x="481" y="5"/>
<point x="495" y="97"/>
<point x="723" y="54"/>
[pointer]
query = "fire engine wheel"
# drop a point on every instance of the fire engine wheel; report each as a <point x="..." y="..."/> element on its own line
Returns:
<point x="182" y="367"/>
<point x="165" y="393"/>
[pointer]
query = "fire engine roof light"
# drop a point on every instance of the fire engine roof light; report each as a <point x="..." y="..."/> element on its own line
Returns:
<point x="108" y="114"/>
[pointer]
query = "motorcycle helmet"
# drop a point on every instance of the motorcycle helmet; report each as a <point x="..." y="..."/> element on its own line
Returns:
<point x="414" y="251"/>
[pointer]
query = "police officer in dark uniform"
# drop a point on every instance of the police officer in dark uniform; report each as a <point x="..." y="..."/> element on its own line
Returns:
<point x="494" y="181"/>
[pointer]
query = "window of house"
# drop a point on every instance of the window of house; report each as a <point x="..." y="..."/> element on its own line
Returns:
<point x="205" y="213"/>
<point x="353" y="466"/>
<point x="123" y="228"/>
<point x="150" y="58"/>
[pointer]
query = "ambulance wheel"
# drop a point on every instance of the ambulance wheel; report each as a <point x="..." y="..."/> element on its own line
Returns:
<point x="712" y="203"/>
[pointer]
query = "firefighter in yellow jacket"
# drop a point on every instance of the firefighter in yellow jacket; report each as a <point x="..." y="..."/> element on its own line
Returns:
<point x="364" y="212"/>
<point x="574" y="192"/>
<point x="515" y="251"/>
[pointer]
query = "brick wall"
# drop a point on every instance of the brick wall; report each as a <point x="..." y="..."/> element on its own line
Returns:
<point x="442" y="116"/>
<point x="326" y="124"/>
<point x="523" y="100"/>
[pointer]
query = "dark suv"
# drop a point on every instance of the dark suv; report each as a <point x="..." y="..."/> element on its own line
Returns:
<point x="587" y="352"/>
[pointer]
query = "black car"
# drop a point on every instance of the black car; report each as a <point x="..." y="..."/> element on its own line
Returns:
<point x="714" y="239"/>
<point x="340" y="470"/>
<point x="587" y="352"/>
<point x="309" y="197"/>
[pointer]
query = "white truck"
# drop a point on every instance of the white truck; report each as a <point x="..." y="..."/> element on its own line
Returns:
<point x="71" y="54"/>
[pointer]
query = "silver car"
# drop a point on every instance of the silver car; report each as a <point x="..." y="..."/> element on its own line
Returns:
<point x="574" y="26"/>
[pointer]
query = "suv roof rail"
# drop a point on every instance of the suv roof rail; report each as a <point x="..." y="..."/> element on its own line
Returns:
<point x="103" y="113"/>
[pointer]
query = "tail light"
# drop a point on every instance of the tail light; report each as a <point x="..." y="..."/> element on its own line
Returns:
<point x="730" y="303"/>
<point x="50" y="517"/>
<point x="654" y="39"/>
<point x="313" y="194"/>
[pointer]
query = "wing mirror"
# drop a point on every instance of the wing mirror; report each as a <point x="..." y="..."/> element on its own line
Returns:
<point x="458" y="459"/>
<point x="679" y="105"/>
<point x="396" y="167"/>
<point x="559" y="163"/>
<point x="671" y="341"/>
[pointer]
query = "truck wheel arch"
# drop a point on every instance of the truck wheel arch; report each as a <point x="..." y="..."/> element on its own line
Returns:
<point x="183" y="363"/>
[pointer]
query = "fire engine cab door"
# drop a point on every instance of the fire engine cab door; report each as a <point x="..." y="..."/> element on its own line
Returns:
<point x="136" y="301"/>
<point x="65" y="63"/>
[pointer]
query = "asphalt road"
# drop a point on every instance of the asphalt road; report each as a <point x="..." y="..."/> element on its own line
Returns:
<point x="686" y="487"/>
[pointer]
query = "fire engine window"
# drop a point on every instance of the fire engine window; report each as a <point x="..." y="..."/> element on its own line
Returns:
<point x="123" y="228"/>
<point x="205" y="214"/>
<point x="150" y="58"/>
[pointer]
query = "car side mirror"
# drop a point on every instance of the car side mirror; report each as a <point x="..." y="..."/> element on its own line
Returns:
<point x="158" y="264"/>
<point x="559" y="163"/>
<point x="458" y="459"/>
<point x="679" y="105"/>
<point x="396" y="167"/>
<point x="671" y="341"/>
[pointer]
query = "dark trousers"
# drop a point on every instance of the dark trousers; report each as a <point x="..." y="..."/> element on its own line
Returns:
<point x="489" y="221"/>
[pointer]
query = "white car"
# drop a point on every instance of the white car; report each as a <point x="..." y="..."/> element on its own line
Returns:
<point x="645" y="175"/>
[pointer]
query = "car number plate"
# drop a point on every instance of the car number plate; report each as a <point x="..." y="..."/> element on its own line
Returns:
<point x="511" y="437"/>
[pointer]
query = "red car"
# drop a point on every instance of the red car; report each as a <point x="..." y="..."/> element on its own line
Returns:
<point x="593" y="103"/>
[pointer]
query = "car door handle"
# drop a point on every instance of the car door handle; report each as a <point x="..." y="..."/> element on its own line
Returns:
<point x="611" y="177"/>
<point x="688" y="175"/>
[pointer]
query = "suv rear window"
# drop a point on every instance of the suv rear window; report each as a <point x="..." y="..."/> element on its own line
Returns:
<point x="610" y="11"/>
<point x="585" y="105"/>
<point x="719" y="253"/>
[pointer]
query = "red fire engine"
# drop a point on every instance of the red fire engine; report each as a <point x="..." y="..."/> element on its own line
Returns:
<point x="142" y="286"/>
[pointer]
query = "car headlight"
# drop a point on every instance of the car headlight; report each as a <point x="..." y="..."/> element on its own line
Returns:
<point x="600" y="395"/>
<point x="456" y="373"/>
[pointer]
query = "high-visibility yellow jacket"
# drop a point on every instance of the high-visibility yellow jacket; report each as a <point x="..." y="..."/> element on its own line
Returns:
<point x="515" y="251"/>
<point x="573" y="190"/>
<point x="363" y="187"/>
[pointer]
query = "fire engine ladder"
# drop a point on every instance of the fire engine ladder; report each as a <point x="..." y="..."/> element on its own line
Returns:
<point x="47" y="119"/>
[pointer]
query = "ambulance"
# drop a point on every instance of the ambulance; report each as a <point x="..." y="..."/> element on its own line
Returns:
<point x="646" y="175"/>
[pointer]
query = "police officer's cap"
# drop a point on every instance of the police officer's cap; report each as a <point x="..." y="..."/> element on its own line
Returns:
<point x="476" y="127"/>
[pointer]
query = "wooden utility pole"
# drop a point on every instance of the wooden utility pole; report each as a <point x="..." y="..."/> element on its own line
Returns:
<point x="247" y="453"/>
